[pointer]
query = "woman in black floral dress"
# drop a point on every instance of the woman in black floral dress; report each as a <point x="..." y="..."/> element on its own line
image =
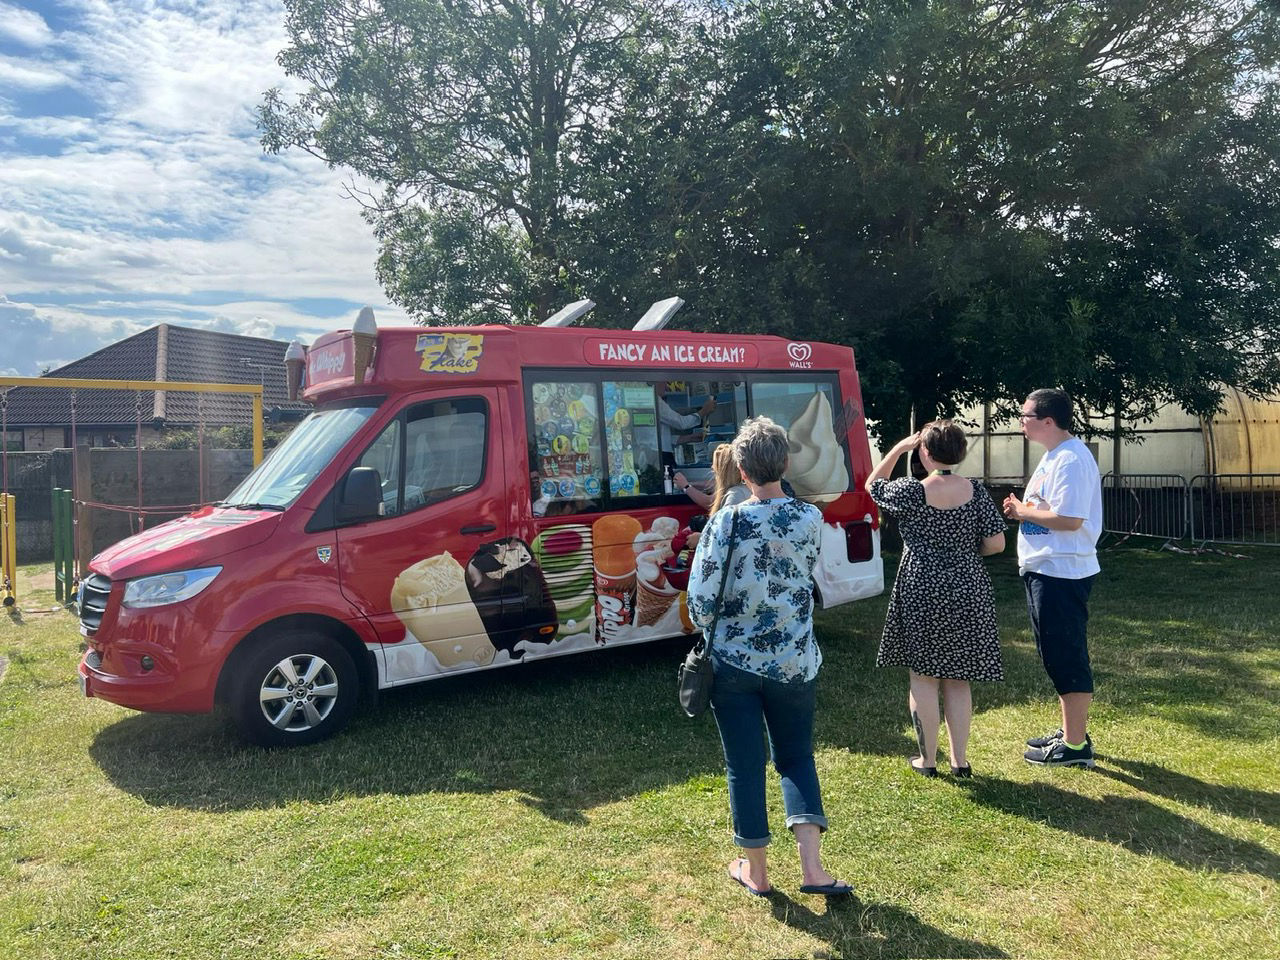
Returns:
<point x="941" y="623"/>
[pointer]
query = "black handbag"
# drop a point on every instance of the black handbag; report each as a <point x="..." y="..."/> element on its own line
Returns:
<point x="694" y="678"/>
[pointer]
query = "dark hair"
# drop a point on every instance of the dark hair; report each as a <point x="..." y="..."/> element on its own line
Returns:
<point x="945" y="441"/>
<point x="697" y="522"/>
<point x="1053" y="404"/>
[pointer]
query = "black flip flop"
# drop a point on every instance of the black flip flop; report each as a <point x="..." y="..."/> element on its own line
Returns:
<point x="836" y="889"/>
<point x="746" y="886"/>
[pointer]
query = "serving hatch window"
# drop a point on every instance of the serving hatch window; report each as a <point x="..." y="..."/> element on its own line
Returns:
<point x="604" y="443"/>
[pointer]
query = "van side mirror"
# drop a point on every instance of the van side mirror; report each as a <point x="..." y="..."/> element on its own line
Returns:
<point x="361" y="496"/>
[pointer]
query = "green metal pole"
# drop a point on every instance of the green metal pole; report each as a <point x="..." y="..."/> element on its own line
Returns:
<point x="55" y="513"/>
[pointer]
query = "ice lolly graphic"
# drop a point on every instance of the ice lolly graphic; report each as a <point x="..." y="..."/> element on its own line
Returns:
<point x="817" y="470"/>
<point x="294" y="359"/>
<point x="615" y="569"/>
<point x="564" y="553"/>
<point x="365" y="334"/>
<point x="432" y="601"/>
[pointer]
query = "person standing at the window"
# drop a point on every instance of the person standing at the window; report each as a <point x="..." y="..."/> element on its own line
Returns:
<point x="764" y="656"/>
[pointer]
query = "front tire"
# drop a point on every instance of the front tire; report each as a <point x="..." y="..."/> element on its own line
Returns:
<point x="298" y="687"/>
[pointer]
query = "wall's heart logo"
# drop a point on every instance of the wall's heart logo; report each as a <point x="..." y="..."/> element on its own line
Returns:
<point x="799" y="352"/>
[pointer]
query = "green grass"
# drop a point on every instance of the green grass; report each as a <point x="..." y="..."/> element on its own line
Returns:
<point x="563" y="809"/>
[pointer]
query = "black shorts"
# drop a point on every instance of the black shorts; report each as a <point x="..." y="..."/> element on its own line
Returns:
<point x="1059" y="611"/>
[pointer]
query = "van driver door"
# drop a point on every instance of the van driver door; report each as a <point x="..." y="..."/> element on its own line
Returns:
<point x="433" y="571"/>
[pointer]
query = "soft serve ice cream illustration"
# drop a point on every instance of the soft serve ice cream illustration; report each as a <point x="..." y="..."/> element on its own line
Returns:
<point x="432" y="601"/>
<point x="817" y="470"/>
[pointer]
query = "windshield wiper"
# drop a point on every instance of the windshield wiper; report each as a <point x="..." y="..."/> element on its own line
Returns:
<point x="249" y="506"/>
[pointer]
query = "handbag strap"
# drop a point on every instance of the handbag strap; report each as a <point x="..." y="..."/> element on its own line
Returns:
<point x="724" y="576"/>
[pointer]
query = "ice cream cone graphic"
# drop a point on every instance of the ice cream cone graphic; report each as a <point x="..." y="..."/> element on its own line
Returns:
<point x="654" y="595"/>
<point x="817" y="469"/>
<point x="294" y="359"/>
<point x="365" y="334"/>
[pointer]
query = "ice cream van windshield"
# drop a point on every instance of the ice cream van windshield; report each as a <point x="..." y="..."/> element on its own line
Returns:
<point x="291" y="466"/>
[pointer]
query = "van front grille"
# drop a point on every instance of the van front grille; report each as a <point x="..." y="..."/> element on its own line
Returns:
<point x="94" y="593"/>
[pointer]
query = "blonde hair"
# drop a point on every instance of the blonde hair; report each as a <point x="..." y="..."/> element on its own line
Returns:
<point x="725" y="469"/>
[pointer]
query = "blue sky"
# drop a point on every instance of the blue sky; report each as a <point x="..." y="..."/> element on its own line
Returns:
<point x="133" y="190"/>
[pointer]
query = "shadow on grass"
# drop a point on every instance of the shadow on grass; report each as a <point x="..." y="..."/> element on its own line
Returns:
<point x="571" y="734"/>
<point x="1239" y="802"/>
<point x="858" y="929"/>
<point x="1137" y="825"/>
<point x="568" y="736"/>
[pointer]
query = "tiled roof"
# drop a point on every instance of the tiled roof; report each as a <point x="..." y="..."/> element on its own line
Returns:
<point x="164" y="352"/>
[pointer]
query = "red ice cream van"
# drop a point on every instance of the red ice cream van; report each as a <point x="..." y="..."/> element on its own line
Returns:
<point x="463" y="499"/>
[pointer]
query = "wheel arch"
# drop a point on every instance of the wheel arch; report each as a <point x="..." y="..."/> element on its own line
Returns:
<point x="363" y="658"/>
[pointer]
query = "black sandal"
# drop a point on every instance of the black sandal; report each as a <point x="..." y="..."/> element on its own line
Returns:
<point x="965" y="771"/>
<point x="923" y="771"/>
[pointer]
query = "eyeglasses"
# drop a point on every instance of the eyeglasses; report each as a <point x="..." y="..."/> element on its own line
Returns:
<point x="1024" y="417"/>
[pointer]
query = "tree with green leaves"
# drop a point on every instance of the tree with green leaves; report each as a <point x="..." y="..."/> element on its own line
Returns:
<point x="998" y="196"/>
<point x="980" y="198"/>
<point x="472" y="117"/>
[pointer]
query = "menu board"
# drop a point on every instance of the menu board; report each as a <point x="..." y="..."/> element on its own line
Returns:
<point x="566" y="423"/>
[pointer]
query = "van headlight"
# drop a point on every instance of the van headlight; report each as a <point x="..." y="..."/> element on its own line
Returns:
<point x="168" y="587"/>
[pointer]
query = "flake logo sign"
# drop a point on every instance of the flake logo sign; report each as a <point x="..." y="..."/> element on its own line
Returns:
<point x="450" y="352"/>
<point x="800" y="354"/>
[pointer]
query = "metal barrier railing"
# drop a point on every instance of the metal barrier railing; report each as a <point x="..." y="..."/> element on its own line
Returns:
<point x="1146" y="505"/>
<point x="1236" y="508"/>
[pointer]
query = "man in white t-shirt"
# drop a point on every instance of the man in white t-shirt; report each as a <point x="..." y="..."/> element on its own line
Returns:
<point x="1060" y="520"/>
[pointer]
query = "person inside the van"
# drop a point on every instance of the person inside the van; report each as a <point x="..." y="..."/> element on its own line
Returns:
<point x="764" y="655"/>
<point x="670" y="421"/>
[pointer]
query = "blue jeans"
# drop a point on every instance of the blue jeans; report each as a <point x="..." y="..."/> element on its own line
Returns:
<point x="740" y="700"/>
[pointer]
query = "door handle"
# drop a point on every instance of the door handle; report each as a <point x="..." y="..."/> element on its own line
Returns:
<point x="479" y="528"/>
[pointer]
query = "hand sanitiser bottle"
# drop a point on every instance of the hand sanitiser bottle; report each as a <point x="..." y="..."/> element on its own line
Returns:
<point x="667" y="485"/>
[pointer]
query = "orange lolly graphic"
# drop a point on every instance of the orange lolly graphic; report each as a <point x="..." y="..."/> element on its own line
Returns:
<point x="615" y="573"/>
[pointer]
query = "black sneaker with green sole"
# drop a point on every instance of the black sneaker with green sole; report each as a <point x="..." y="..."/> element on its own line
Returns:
<point x="1058" y="754"/>
<point x="1044" y="741"/>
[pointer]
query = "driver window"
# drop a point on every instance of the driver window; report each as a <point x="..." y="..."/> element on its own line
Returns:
<point x="384" y="456"/>
<point x="444" y="449"/>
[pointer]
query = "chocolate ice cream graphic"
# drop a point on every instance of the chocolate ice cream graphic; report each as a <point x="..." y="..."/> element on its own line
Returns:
<point x="511" y="594"/>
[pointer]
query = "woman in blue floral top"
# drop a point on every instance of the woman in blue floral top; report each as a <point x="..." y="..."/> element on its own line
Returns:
<point x="765" y="656"/>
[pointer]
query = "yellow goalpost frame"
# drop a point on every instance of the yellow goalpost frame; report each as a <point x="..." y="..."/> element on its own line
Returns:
<point x="253" y="389"/>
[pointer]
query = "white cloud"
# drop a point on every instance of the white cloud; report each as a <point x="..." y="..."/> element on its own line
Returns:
<point x="163" y="191"/>
<point x="25" y="75"/>
<point x="25" y="26"/>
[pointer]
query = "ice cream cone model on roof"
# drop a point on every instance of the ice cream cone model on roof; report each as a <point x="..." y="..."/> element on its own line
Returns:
<point x="295" y="357"/>
<point x="365" y="334"/>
